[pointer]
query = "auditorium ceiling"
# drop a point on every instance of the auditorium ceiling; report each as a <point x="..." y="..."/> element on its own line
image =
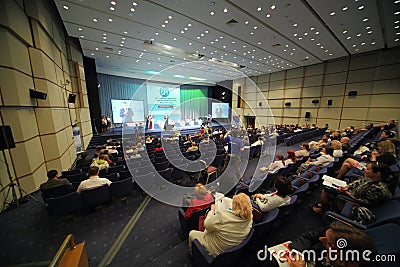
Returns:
<point x="201" y="41"/>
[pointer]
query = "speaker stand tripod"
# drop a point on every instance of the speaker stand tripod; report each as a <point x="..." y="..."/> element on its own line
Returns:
<point x="14" y="203"/>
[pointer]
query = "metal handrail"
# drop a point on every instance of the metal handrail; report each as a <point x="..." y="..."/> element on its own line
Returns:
<point x="69" y="240"/>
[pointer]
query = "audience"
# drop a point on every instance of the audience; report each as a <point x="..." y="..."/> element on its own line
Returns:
<point x="84" y="161"/>
<point x="280" y="197"/>
<point x="202" y="198"/>
<point x="158" y="148"/>
<point x="276" y="165"/>
<point x="94" y="180"/>
<point x="225" y="228"/>
<point x="54" y="181"/>
<point x="345" y="143"/>
<point x="193" y="147"/>
<point x="101" y="163"/>
<point x="323" y="160"/>
<point x="291" y="157"/>
<point x="337" y="148"/>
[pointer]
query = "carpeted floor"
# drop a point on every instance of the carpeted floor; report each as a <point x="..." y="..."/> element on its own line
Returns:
<point x="30" y="235"/>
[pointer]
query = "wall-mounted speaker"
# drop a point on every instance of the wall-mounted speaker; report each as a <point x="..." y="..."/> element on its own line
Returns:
<point x="6" y="137"/>
<point x="330" y="102"/>
<point x="71" y="98"/>
<point x="315" y="101"/>
<point x="260" y="104"/>
<point x="288" y="104"/>
<point x="352" y="93"/>
<point x="308" y="115"/>
<point x="37" y="94"/>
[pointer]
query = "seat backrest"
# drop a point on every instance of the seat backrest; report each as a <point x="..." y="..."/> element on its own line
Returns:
<point x="71" y="172"/>
<point x="121" y="188"/>
<point x="64" y="205"/>
<point x="233" y="255"/>
<point x="56" y="191"/>
<point x="97" y="196"/>
<point x="77" y="177"/>
<point x="113" y="177"/>
<point x="388" y="211"/>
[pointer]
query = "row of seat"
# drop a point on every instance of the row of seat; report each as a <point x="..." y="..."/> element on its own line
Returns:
<point x="297" y="137"/>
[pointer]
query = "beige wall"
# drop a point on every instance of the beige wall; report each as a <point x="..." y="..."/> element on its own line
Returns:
<point x="37" y="54"/>
<point x="375" y="76"/>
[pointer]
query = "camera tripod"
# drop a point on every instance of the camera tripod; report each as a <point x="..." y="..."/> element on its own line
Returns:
<point x="14" y="203"/>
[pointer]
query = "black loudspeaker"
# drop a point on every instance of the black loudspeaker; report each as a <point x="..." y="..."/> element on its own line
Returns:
<point x="37" y="94"/>
<point x="330" y="102"/>
<point x="71" y="98"/>
<point x="352" y="93"/>
<point x="260" y="104"/>
<point x="288" y="104"/>
<point x="308" y="115"/>
<point x="315" y="101"/>
<point x="6" y="137"/>
<point x="239" y="98"/>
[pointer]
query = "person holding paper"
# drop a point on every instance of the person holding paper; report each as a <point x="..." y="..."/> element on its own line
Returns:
<point x="225" y="228"/>
<point x="378" y="185"/>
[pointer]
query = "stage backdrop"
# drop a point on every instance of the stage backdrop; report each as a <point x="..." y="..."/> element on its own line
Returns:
<point x="194" y="102"/>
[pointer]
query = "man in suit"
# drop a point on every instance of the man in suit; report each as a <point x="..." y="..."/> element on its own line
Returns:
<point x="54" y="180"/>
<point x="84" y="161"/>
<point x="126" y="113"/>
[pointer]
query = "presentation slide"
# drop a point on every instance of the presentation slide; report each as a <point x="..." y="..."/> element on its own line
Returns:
<point x="127" y="111"/>
<point x="220" y="110"/>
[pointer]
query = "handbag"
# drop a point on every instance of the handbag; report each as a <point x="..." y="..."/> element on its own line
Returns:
<point x="363" y="215"/>
<point x="257" y="215"/>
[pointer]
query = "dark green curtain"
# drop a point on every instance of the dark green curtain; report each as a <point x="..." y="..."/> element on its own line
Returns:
<point x="194" y="103"/>
<point x="116" y="87"/>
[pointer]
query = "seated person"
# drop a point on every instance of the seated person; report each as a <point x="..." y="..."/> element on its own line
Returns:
<point x="54" y="181"/>
<point x="276" y="165"/>
<point x="94" y="180"/>
<point x="291" y="157"/>
<point x="193" y="148"/>
<point x="158" y="148"/>
<point x="324" y="141"/>
<point x="327" y="240"/>
<point x="225" y="229"/>
<point x="202" y="198"/>
<point x="259" y="141"/>
<point x="84" y="161"/>
<point x="135" y="154"/>
<point x="323" y="160"/>
<point x="107" y="158"/>
<point x="113" y="150"/>
<point x="378" y="185"/>
<point x="280" y="197"/>
<point x="345" y="143"/>
<point x="304" y="151"/>
<point x="384" y="154"/>
<point x="101" y="163"/>
<point x="337" y="149"/>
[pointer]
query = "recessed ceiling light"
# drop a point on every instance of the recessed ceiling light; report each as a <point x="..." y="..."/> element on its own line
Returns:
<point x="112" y="8"/>
<point x="312" y="28"/>
<point x="397" y="1"/>
<point x="97" y="49"/>
<point x="121" y="45"/>
<point x="113" y="3"/>
<point x="362" y="43"/>
<point x="344" y="32"/>
<point x="125" y="32"/>
<point x="243" y="46"/>
<point x="110" y="20"/>
<point x="295" y="25"/>
<point x="255" y="27"/>
<point x="198" y="37"/>
<point x="259" y="43"/>
<point x="397" y="21"/>
<point x="365" y="19"/>
<point x="122" y="42"/>
<point x="65" y="7"/>
<point x="233" y="42"/>
<point x="166" y="21"/>
<point x="92" y="54"/>
<point x="348" y="37"/>
<point x="182" y="31"/>
<point x="163" y="25"/>
<point x="82" y="36"/>
<point x="169" y="17"/>
<point x="252" y="33"/>
<point x="104" y="41"/>
<point x="300" y="38"/>
<point x="205" y="31"/>
<point x="137" y="60"/>
<point x="360" y="7"/>
<point x="306" y="33"/>
<point x="295" y="34"/>
<point x="396" y="27"/>
<point x="201" y="34"/>
<point x="354" y="45"/>
<point x="189" y="25"/>
<point x="123" y="38"/>
<point x="134" y="3"/>
<point x="190" y="43"/>
<point x="397" y="13"/>
<point x="212" y="13"/>
<point x="174" y="38"/>
<point x="356" y="49"/>
<point x="268" y="15"/>
<point x="225" y="10"/>
<point x="369" y="32"/>
<point x="312" y="39"/>
<point x="246" y="22"/>
<point x="224" y="46"/>
<point x="332" y="13"/>
<point x="396" y="40"/>
<point x="316" y="33"/>
<point x="318" y="44"/>
<point x="258" y="8"/>
<point x="273" y="7"/>
<point x="104" y="37"/>
<point x="345" y="8"/>
<point x="107" y="56"/>
<point x="204" y="47"/>
<point x="359" y="34"/>
<point x="94" y="20"/>
<point x="221" y="37"/>
<point x="80" y="29"/>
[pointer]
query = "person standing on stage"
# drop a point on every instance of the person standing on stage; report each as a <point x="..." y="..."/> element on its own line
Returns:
<point x="147" y="122"/>
<point x="126" y="113"/>
<point x="151" y="126"/>
<point x="165" y="122"/>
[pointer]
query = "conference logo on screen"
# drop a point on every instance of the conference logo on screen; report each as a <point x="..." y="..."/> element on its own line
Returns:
<point x="164" y="91"/>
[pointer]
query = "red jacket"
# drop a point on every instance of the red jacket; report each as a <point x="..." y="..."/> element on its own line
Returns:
<point x="198" y="204"/>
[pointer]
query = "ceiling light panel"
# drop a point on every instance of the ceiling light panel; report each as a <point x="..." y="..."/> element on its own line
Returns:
<point x="391" y="22"/>
<point x="293" y="19"/>
<point x="360" y="21"/>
